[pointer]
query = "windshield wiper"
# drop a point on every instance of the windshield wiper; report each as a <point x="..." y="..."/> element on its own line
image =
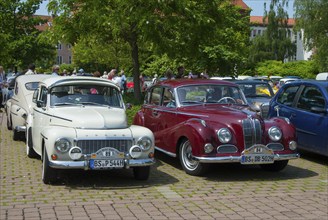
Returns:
<point x="65" y="103"/>
<point x="92" y="103"/>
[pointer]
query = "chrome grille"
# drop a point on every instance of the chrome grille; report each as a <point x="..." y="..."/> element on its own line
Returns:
<point x="264" y="110"/>
<point x="252" y="132"/>
<point x="92" y="146"/>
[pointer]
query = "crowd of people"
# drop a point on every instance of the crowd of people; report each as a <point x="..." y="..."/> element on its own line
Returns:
<point x="118" y="78"/>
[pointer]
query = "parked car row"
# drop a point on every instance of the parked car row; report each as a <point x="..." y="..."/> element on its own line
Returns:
<point x="80" y="123"/>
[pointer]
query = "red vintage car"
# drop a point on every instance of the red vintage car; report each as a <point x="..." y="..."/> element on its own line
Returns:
<point x="208" y="121"/>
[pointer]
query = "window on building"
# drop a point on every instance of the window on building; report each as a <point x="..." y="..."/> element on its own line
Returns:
<point x="258" y="32"/>
<point x="49" y="24"/>
<point x="254" y="33"/>
<point x="59" y="59"/>
<point x="59" y="46"/>
<point x="69" y="59"/>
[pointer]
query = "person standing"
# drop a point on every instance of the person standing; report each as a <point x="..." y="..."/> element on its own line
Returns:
<point x="123" y="81"/>
<point x="3" y="86"/>
<point x="155" y="79"/>
<point x="55" y="70"/>
<point x="31" y="69"/>
<point x="180" y="72"/>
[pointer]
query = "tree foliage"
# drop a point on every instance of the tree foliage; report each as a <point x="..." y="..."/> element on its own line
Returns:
<point x="275" y="43"/>
<point x="304" y="69"/>
<point x="311" y="16"/>
<point x="207" y="34"/>
<point x="21" y="43"/>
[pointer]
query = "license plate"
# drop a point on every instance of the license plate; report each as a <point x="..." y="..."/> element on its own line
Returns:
<point x="103" y="164"/>
<point x="257" y="159"/>
<point x="257" y="154"/>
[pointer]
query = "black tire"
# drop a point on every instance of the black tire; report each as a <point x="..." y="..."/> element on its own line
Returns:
<point x="29" y="145"/>
<point x="16" y="135"/>
<point x="276" y="166"/>
<point x="49" y="175"/>
<point x="190" y="166"/>
<point x="9" y="126"/>
<point x="141" y="173"/>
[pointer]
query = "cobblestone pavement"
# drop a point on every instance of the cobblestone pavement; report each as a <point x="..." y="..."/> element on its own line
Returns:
<point x="228" y="191"/>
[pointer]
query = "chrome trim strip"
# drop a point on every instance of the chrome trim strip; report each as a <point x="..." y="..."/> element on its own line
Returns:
<point x="236" y="159"/>
<point x="166" y="152"/>
<point x="84" y="164"/>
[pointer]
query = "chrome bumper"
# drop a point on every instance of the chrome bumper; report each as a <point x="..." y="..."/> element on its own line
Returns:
<point x="236" y="159"/>
<point x="85" y="164"/>
<point x="21" y="128"/>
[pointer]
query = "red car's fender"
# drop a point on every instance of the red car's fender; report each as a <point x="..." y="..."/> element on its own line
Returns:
<point x="288" y="130"/>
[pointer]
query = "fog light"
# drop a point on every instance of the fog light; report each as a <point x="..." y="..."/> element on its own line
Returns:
<point x="208" y="148"/>
<point x="292" y="145"/>
<point x="75" y="153"/>
<point x="135" y="151"/>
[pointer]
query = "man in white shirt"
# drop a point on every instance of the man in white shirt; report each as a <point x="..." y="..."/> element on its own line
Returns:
<point x="31" y="69"/>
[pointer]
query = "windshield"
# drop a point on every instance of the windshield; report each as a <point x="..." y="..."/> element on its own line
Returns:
<point x="199" y="94"/>
<point x="85" y="95"/>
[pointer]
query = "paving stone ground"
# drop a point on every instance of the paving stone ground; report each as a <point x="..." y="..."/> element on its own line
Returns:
<point x="228" y="191"/>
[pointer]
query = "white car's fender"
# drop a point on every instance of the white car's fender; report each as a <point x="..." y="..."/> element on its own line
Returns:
<point x="50" y="135"/>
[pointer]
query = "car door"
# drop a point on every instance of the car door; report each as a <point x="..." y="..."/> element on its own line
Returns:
<point x="310" y="120"/>
<point x="39" y="119"/>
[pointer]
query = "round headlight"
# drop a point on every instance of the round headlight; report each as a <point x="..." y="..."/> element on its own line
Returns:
<point x="224" y="135"/>
<point x="62" y="145"/>
<point x="135" y="151"/>
<point x="275" y="133"/>
<point x="145" y="143"/>
<point x="75" y="153"/>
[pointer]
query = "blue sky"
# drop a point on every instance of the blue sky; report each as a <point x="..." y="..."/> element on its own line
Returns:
<point x="257" y="7"/>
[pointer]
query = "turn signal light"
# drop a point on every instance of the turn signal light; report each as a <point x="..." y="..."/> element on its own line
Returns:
<point x="54" y="157"/>
<point x="151" y="155"/>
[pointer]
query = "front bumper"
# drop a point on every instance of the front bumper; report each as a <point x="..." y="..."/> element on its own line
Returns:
<point x="85" y="164"/>
<point x="236" y="159"/>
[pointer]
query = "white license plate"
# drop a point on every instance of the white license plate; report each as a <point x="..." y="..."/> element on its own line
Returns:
<point x="103" y="164"/>
<point x="257" y="159"/>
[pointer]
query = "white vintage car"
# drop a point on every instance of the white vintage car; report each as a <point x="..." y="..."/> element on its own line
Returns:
<point x="20" y="105"/>
<point x="80" y="123"/>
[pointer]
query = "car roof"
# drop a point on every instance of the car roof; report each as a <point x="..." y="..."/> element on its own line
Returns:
<point x="250" y="82"/>
<point x="32" y="78"/>
<point x="309" y="81"/>
<point x="53" y="81"/>
<point x="187" y="82"/>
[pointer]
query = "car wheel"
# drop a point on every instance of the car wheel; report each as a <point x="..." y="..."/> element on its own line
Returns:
<point x="49" y="175"/>
<point x="141" y="173"/>
<point x="9" y="126"/>
<point x="16" y="135"/>
<point x="29" y="145"/>
<point x="276" y="166"/>
<point x="190" y="165"/>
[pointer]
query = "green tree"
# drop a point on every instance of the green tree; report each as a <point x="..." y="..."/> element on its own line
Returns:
<point x="20" y="40"/>
<point x="185" y="31"/>
<point x="275" y="43"/>
<point x="311" y="16"/>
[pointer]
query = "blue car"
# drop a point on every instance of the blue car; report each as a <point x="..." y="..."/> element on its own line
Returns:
<point x="305" y="103"/>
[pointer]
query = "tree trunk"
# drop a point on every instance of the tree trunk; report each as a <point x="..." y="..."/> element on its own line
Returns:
<point x="135" y="60"/>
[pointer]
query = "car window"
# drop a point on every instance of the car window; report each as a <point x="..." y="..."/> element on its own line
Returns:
<point x="31" y="85"/>
<point x="43" y="96"/>
<point x="86" y="95"/>
<point x="155" y="96"/>
<point x="287" y="96"/>
<point x="198" y="94"/>
<point x="311" y="97"/>
<point x="168" y="98"/>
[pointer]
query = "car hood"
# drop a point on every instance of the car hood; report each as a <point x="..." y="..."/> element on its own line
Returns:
<point x="88" y="117"/>
<point x="226" y="114"/>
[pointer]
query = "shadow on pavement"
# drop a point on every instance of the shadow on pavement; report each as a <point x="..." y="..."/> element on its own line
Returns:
<point x="238" y="172"/>
<point x="113" y="179"/>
